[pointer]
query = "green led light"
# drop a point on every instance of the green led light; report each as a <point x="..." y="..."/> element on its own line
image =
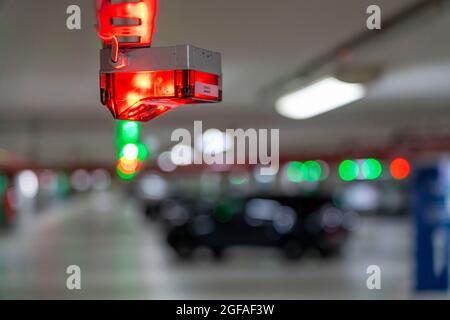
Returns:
<point x="143" y="152"/>
<point x="127" y="132"/>
<point x="295" y="172"/>
<point x="312" y="171"/>
<point x="130" y="130"/>
<point x="371" y="169"/>
<point x="348" y="170"/>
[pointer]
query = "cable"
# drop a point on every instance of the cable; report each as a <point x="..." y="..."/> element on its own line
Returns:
<point x="114" y="46"/>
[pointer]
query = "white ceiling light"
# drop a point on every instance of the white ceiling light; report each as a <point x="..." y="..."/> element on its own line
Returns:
<point x="319" y="97"/>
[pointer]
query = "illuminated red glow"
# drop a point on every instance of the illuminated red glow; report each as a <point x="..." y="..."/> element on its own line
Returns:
<point x="400" y="168"/>
<point x="142" y="12"/>
<point x="143" y="96"/>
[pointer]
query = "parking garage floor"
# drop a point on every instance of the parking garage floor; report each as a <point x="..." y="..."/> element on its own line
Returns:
<point x="122" y="256"/>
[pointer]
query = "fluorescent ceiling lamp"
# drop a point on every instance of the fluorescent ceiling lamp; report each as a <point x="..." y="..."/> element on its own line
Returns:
<point x="319" y="97"/>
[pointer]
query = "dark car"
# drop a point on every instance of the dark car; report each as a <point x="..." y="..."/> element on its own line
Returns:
<point x="293" y="224"/>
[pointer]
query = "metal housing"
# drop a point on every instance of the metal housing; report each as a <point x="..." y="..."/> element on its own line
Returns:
<point x="181" y="57"/>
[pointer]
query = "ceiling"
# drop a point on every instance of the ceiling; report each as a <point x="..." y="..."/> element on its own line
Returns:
<point x="50" y="110"/>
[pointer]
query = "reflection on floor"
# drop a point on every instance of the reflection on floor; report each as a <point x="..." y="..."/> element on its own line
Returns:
<point x="122" y="257"/>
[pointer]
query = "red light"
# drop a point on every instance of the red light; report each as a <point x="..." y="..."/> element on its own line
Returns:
<point x="132" y="23"/>
<point x="400" y="168"/>
<point x="143" y="96"/>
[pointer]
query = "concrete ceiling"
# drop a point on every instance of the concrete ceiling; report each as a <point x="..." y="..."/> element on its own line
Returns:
<point x="49" y="75"/>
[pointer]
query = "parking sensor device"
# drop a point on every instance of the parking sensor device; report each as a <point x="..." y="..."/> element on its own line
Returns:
<point x="139" y="82"/>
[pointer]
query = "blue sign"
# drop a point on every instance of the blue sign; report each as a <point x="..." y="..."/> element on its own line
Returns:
<point x="431" y="209"/>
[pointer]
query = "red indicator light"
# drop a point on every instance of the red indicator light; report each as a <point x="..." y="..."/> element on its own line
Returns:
<point x="142" y="96"/>
<point x="400" y="168"/>
<point x="132" y="23"/>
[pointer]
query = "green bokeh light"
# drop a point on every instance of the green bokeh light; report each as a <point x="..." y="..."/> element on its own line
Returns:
<point x="238" y="180"/>
<point x="348" y="170"/>
<point x="371" y="169"/>
<point x="127" y="132"/>
<point x="130" y="131"/>
<point x="295" y="172"/>
<point x="143" y="151"/>
<point x="312" y="171"/>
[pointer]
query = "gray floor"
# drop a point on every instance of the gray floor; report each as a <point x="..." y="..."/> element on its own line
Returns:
<point x="122" y="257"/>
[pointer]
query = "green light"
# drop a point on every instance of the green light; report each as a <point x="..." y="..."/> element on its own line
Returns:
<point x="295" y="171"/>
<point x="143" y="152"/>
<point x="130" y="130"/>
<point x="127" y="132"/>
<point x="312" y="171"/>
<point x="238" y="180"/>
<point x="348" y="170"/>
<point x="371" y="169"/>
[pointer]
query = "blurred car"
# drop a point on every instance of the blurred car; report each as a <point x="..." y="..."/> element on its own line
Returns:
<point x="292" y="224"/>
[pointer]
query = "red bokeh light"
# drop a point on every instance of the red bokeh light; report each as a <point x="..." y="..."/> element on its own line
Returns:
<point x="400" y="168"/>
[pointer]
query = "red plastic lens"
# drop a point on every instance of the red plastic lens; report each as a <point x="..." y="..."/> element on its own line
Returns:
<point x="132" y="22"/>
<point x="143" y="96"/>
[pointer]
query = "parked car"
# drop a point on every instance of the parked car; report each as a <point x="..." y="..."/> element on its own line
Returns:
<point x="292" y="224"/>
